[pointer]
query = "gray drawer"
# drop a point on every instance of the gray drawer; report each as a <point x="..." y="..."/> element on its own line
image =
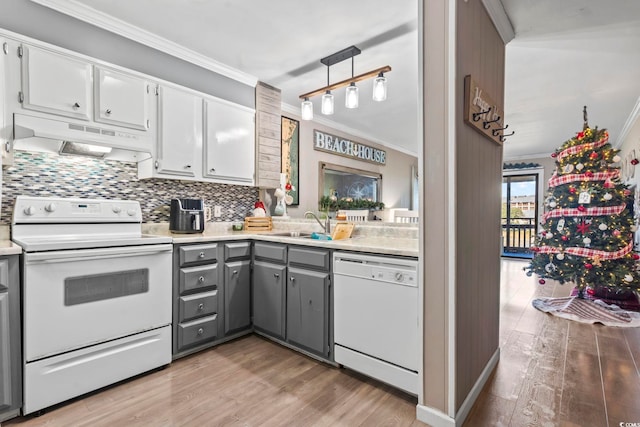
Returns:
<point x="306" y="257"/>
<point x="196" y="278"/>
<point x="197" y="331"/>
<point x="198" y="305"/>
<point x="198" y="253"/>
<point x="270" y="251"/>
<point x="237" y="250"/>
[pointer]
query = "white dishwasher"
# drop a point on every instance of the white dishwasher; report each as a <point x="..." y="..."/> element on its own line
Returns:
<point x="376" y="317"/>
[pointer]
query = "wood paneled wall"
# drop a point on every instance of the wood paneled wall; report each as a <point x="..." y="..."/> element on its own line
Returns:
<point x="480" y="52"/>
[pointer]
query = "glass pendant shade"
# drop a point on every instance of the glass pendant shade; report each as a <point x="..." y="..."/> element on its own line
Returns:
<point x="327" y="103"/>
<point x="380" y="88"/>
<point x="351" y="99"/>
<point x="307" y="109"/>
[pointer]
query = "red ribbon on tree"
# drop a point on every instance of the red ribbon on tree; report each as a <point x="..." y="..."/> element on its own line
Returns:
<point x="577" y="148"/>
<point x="556" y="179"/>
<point x="588" y="253"/>
<point x="597" y="211"/>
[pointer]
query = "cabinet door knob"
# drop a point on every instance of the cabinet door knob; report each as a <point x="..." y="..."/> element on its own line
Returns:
<point x="292" y="278"/>
<point x="201" y="255"/>
<point x="201" y="306"/>
<point x="200" y="331"/>
<point x="108" y="111"/>
<point x="76" y="106"/>
<point x="201" y="279"/>
<point x="212" y="170"/>
<point x="187" y="166"/>
<point x="276" y="275"/>
<point x="235" y="271"/>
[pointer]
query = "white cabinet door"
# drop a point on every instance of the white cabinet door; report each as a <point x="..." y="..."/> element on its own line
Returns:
<point x="121" y="99"/>
<point x="229" y="142"/>
<point x="179" y="133"/>
<point x="55" y="83"/>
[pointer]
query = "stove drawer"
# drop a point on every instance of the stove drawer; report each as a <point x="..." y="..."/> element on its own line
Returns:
<point x="197" y="278"/>
<point x="198" y="305"/>
<point x="198" y="253"/>
<point x="197" y="331"/>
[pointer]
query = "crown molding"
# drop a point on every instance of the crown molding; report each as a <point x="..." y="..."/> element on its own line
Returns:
<point x="631" y="121"/>
<point x="288" y="108"/>
<point x="500" y="19"/>
<point x="121" y="28"/>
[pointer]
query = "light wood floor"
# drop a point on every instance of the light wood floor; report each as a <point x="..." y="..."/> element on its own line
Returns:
<point x="552" y="372"/>
<point x="557" y="372"/>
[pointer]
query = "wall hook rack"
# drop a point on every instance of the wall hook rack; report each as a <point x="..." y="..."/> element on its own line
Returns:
<point x="495" y="132"/>
<point x="503" y="137"/>
<point x="487" y="123"/>
<point x="476" y="116"/>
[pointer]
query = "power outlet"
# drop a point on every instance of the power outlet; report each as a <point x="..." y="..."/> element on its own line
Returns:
<point x="217" y="211"/>
<point x="207" y="213"/>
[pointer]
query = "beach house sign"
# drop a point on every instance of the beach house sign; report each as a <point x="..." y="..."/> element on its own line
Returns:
<point x="323" y="141"/>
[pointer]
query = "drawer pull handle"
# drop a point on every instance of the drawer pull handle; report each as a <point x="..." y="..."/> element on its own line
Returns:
<point x="76" y="106"/>
<point x="201" y="279"/>
<point x="201" y="306"/>
<point x="235" y="271"/>
<point x="201" y="255"/>
<point x="292" y="278"/>
<point x="108" y="112"/>
<point x="276" y="275"/>
<point x="200" y="331"/>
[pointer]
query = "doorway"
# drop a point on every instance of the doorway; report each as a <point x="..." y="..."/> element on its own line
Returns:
<point x="519" y="213"/>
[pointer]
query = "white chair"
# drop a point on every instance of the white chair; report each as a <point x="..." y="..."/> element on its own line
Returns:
<point x="408" y="217"/>
<point x="357" y="215"/>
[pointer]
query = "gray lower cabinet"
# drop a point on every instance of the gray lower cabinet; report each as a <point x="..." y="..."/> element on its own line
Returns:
<point x="10" y="339"/>
<point x="198" y="299"/>
<point x="269" y="295"/>
<point x="308" y="310"/>
<point x="237" y="287"/>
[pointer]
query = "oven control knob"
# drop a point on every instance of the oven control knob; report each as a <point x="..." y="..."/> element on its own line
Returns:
<point x="29" y="210"/>
<point x="116" y="209"/>
<point x="50" y="207"/>
<point x="131" y="212"/>
<point x="399" y="277"/>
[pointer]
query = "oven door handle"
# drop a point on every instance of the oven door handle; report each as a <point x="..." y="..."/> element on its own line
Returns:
<point x="92" y="254"/>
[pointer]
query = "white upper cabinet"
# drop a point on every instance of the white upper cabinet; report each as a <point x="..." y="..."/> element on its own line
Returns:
<point x="179" y="132"/>
<point x="229" y="146"/>
<point x="55" y="83"/>
<point x="121" y="99"/>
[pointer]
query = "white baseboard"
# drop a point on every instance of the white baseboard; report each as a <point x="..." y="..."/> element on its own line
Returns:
<point x="436" y="418"/>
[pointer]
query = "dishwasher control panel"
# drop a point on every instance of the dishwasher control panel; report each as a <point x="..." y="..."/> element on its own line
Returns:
<point x="401" y="271"/>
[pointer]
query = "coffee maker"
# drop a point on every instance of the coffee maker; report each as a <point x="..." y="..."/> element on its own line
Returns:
<point x="186" y="216"/>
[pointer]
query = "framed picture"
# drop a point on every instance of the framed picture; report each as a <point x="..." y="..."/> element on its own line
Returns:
<point x="290" y="155"/>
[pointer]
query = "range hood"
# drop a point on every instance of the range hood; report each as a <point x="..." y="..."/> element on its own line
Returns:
<point x="34" y="133"/>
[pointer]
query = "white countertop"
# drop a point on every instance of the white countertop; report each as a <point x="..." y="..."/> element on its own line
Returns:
<point x="378" y="244"/>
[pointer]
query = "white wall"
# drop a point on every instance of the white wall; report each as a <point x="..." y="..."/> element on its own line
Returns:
<point x="630" y="173"/>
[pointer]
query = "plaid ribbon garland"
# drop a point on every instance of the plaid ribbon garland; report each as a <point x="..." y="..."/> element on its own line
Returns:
<point x="556" y="180"/>
<point x="588" y="253"/>
<point x="577" y="148"/>
<point x="597" y="211"/>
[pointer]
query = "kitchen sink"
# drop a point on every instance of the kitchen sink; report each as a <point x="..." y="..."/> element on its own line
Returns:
<point x="302" y="234"/>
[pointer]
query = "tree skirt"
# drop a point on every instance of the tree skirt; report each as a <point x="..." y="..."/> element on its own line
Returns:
<point x="587" y="311"/>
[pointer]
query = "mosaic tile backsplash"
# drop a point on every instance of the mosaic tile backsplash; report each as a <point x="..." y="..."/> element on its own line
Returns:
<point x="42" y="174"/>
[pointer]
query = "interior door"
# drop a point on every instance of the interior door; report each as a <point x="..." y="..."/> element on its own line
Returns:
<point x="519" y="214"/>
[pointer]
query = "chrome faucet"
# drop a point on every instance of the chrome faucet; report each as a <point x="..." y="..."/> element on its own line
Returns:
<point x="327" y="224"/>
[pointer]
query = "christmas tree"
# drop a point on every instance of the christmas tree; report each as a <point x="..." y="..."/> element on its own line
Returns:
<point x="587" y="229"/>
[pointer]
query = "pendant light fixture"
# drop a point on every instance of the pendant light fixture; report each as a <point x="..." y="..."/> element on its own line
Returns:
<point x="351" y="92"/>
<point x="307" y="109"/>
<point x="327" y="99"/>
<point x="380" y="88"/>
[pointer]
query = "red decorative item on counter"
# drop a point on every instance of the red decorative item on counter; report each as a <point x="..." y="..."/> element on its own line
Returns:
<point x="259" y="204"/>
<point x="635" y="161"/>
